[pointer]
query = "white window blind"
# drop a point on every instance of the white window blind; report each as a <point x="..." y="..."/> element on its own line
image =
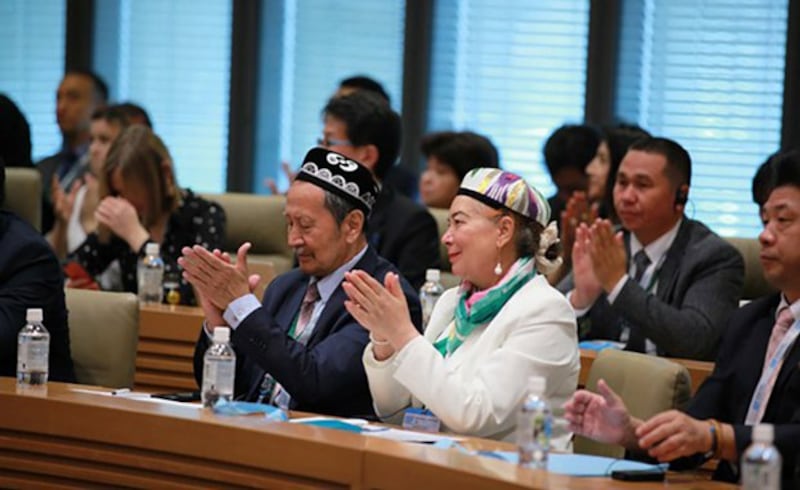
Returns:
<point x="708" y="74"/>
<point x="511" y="70"/>
<point x="173" y="58"/>
<point x="32" y="60"/>
<point x="320" y="43"/>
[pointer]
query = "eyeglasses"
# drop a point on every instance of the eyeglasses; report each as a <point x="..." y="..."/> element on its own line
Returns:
<point x="328" y="142"/>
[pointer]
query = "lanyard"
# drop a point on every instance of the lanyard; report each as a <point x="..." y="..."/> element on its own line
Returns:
<point x="768" y="377"/>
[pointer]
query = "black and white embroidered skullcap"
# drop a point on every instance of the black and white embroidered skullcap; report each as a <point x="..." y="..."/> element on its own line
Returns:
<point x="343" y="176"/>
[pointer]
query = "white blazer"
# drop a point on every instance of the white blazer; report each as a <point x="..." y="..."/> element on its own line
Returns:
<point x="478" y="390"/>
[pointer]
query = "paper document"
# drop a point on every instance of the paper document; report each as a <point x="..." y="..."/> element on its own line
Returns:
<point x="135" y="395"/>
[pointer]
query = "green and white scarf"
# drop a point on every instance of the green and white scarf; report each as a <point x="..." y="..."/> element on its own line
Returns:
<point x="479" y="307"/>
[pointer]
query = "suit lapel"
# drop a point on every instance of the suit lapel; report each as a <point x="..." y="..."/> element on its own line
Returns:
<point x="335" y="304"/>
<point x="668" y="274"/>
<point x="788" y="368"/>
<point x="756" y="348"/>
<point x="286" y="316"/>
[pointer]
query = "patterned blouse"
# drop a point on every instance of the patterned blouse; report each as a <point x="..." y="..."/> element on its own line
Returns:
<point x="195" y="222"/>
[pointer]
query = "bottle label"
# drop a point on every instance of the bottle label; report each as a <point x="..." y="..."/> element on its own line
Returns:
<point x="761" y="475"/>
<point x="428" y="296"/>
<point x="218" y="376"/>
<point x="542" y="429"/>
<point x="533" y="439"/>
<point x="33" y="356"/>
<point x="150" y="284"/>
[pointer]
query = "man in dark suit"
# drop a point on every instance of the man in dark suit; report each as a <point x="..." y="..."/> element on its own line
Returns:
<point x="30" y="277"/>
<point x="363" y="127"/>
<point x="299" y="347"/>
<point x="756" y="378"/>
<point x="666" y="284"/>
<point x="79" y="94"/>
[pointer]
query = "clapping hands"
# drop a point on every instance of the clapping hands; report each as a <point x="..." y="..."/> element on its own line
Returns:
<point x="380" y="308"/>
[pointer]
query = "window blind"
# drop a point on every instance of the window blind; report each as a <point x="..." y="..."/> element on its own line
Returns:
<point x="708" y="74"/>
<point x="511" y="70"/>
<point x="32" y="61"/>
<point x="308" y="46"/>
<point x="173" y="58"/>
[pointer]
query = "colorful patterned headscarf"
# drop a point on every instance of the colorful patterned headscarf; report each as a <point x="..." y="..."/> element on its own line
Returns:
<point x="500" y="189"/>
<point x="503" y="190"/>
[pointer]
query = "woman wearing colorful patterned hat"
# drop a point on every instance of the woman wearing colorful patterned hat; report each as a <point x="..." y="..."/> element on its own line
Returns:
<point x="502" y="325"/>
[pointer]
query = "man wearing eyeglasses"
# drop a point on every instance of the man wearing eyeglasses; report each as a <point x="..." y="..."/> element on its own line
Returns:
<point x="363" y="127"/>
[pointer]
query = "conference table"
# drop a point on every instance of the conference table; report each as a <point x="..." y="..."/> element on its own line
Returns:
<point x="167" y="335"/>
<point x="165" y="353"/>
<point x="77" y="436"/>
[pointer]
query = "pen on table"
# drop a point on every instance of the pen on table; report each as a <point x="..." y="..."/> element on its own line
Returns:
<point x="127" y="393"/>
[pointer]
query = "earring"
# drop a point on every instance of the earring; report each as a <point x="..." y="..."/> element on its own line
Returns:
<point x="498" y="269"/>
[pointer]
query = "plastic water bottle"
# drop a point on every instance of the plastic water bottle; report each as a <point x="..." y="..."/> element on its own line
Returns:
<point x="150" y="272"/>
<point x="33" y="350"/>
<point x="761" y="463"/>
<point x="219" y="369"/>
<point x="534" y="426"/>
<point x="429" y="294"/>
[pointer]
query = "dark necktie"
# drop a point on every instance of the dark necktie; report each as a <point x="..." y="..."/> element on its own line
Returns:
<point x="641" y="261"/>
<point x="636" y="340"/>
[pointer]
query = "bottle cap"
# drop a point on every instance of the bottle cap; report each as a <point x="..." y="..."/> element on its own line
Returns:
<point x="34" y="315"/>
<point x="763" y="433"/>
<point x="152" y="248"/>
<point x="432" y="275"/>
<point x="537" y="385"/>
<point x="222" y="334"/>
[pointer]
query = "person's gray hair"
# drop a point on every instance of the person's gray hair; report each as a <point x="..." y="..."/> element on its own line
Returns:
<point x="340" y="207"/>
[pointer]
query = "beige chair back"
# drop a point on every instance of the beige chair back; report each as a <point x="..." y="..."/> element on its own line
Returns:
<point x="755" y="285"/>
<point x="24" y="194"/>
<point x="103" y="332"/>
<point x="259" y="220"/>
<point x="647" y="384"/>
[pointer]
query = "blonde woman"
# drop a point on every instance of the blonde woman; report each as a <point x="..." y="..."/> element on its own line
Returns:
<point x="140" y="202"/>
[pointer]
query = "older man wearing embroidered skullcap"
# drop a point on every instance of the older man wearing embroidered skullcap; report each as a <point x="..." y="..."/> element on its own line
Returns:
<point x="299" y="347"/>
<point x="487" y="337"/>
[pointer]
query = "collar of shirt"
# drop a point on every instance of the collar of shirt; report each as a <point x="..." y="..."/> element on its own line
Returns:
<point x="794" y="307"/>
<point x="328" y="284"/>
<point x="657" y="249"/>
